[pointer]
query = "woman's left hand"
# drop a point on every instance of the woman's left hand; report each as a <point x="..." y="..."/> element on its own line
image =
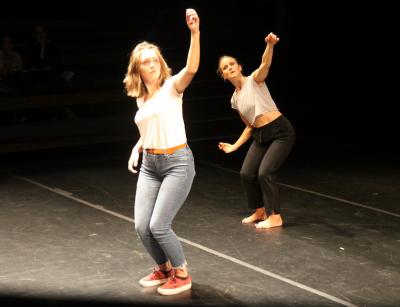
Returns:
<point x="226" y="147"/>
<point x="192" y="20"/>
<point x="271" y="38"/>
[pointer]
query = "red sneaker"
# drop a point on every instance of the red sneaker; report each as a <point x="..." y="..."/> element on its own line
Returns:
<point x="157" y="277"/>
<point x="175" y="285"/>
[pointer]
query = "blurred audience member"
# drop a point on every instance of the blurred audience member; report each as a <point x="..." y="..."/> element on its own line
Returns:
<point x="11" y="66"/>
<point x="44" y="53"/>
<point x="45" y="62"/>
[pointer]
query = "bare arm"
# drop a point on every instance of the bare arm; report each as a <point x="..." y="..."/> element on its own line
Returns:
<point x="186" y="75"/>
<point x="134" y="158"/>
<point x="261" y="73"/>
<point x="246" y="134"/>
<point x="138" y="147"/>
<point x="228" y="148"/>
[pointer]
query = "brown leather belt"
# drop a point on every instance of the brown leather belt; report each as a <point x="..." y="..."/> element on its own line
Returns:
<point x="167" y="151"/>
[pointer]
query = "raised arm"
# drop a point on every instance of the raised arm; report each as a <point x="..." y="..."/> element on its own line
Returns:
<point x="261" y="73"/>
<point x="186" y="75"/>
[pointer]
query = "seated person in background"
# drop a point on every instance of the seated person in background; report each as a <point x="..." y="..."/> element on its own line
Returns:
<point x="11" y="65"/>
<point x="45" y="64"/>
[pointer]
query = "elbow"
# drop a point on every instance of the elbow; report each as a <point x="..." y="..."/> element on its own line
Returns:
<point x="191" y="71"/>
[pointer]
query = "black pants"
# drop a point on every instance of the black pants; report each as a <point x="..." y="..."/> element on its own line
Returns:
<point x="271" y="145"/>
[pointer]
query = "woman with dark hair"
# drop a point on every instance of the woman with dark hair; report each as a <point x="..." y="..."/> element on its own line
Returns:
<point x="273" y="136"/>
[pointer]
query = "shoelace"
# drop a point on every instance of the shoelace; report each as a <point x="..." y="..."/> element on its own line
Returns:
<point x="173" y="278"/>
<point x="158" y="274"/>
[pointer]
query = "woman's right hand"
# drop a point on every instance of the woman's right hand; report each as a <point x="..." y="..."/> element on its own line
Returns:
<point x="192" y="20"/>
<point x="226" y="147"/>
<point x="133" y="161"/>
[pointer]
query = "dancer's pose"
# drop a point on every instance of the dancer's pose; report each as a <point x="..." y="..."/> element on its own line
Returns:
<point x="273" y="136"/>
<point x="167" y="169"/>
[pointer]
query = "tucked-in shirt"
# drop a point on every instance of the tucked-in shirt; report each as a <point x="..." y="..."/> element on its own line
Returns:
<point x="253" y="99"/>
<point x="160" y="118"/>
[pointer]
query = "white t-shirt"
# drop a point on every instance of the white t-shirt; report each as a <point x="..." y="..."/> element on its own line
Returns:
<point x="253" y="100"/>
<point x="160" y="118"/>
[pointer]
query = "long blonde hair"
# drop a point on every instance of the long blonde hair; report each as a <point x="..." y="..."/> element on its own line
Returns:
<point x="134" y="84"/>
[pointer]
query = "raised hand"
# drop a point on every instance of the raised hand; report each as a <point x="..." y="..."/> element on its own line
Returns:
<point x="192" y="20"/>
<point x="271" y="38"/>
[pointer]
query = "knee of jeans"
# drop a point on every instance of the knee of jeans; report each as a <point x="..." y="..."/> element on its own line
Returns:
<point x="158" y="229"/>
<point x="142" y="229"/>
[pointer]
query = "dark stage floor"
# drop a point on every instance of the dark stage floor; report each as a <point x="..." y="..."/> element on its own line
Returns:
<point x="67" y="233"/>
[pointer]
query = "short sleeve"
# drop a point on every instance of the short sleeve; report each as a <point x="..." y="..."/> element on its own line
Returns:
<point x="139" y="102"/>
<point x="169" y="84"/>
